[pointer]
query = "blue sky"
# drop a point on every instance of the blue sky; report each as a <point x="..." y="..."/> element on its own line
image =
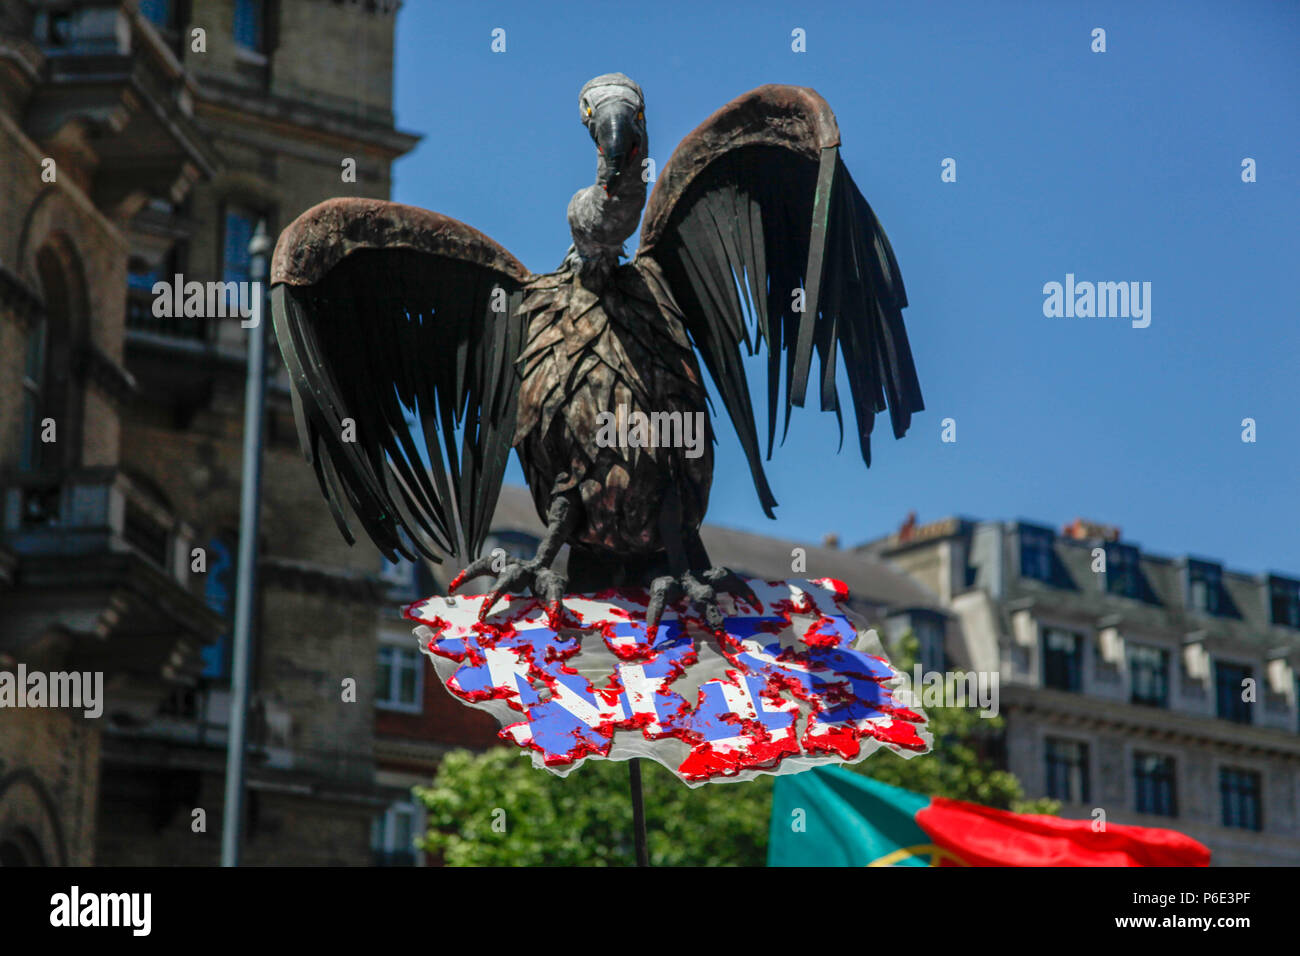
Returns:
<point x="1115" y="166"/>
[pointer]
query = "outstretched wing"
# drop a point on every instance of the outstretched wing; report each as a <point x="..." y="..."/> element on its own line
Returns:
<point x="756" y="204"/>
<point x="387" y="313"/>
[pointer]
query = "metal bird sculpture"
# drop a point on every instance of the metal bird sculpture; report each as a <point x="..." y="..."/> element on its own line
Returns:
<point x="755" y="233"/>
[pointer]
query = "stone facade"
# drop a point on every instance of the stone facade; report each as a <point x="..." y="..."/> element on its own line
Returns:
<point x="1159" y="691"/>
<point x="49" y="768"/>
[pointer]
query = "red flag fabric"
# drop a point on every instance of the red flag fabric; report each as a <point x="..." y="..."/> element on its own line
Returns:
<point x="980" y="836"/>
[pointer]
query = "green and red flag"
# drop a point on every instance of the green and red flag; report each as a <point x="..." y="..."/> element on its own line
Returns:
<point x="832" y="817"/>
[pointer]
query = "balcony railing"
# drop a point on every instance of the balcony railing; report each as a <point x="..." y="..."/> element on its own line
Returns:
<point x="91" y="511"/>
<point x="140" y="316"/>
<point x="201" y="716"/>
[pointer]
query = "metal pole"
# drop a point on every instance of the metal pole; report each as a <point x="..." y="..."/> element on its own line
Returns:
<point x="250" y="497"/>
<point x="638" y="812"/>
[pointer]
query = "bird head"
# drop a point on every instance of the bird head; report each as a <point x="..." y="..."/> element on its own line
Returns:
<point x="613" y="110"/>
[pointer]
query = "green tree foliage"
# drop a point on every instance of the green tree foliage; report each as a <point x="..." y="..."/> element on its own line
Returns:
<point x="585" y="819"/>
<point x="495" y="809"/>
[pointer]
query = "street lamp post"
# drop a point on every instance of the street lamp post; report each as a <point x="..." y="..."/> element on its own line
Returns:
<point x="250" y="497"/>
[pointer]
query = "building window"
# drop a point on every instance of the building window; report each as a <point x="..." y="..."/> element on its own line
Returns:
<point x="1205" y="587"/>
<point x="400" y="681"/>
<point x="1036" y="552"/>
<point x="53" y="378"/>
<point x="161" y="13"/>
<point x="236" y="263"/>
<point x="141" y="278"/>
<point x="182" y="703"/>
<point x="240" y="223"/>
<point x="219" y="594"/>
<point x="1239" y="793"/>
<point x="1284" y="598"/>
<point x="1229" y="682"/>
<point x="930" y="639"/>
<point x="33" y="397"/>
<point x="407" y="580"/>
<point x="1067" y="770"/>
<point x="250" y="25"/>
<point x="516" y="544"/>
<point x="53" y="27"/>
<point x="392" y="836"/>
<point x="399" y="576"/>
<point x="1148" y="672"/>
<point x="1153" y="781"/>
<point x="146" y="535"/>
<point x="1061" y="660"/>
<point x="1122" y="569"/>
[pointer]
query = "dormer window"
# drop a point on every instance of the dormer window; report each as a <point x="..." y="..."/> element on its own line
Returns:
<point x="1205" y="587"/>
<point x="1122" y="569"/>
<point x="1036" y="552"/>
<point x="1284" y="601"/>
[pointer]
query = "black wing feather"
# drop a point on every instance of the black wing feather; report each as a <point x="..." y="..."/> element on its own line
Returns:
<point x="761" y="221"/>
<point x="390" y="334"/>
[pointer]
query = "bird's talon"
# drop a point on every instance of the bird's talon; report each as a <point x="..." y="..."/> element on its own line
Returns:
<point x="702" y="590"/>
<point x="516" y="577"/>
<point x="554" y="615"/>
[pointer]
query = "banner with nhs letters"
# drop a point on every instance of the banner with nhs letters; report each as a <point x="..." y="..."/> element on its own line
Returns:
<point x="789" y="684"/>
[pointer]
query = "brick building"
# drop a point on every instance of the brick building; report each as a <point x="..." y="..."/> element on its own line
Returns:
<point x="171" y="128"/>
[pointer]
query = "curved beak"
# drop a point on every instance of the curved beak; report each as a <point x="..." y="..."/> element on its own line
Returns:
<point x="614" y="129"/>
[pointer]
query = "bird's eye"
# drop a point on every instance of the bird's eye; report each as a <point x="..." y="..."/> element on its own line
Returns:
<point x="588" y="110"/>
<point x="640" y="116"/>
